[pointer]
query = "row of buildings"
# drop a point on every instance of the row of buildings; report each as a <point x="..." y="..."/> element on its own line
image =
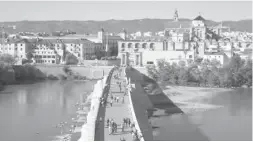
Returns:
<point x="184" y="40"/>
<point x="51" y="49"/>
<point x="180" y="40"/>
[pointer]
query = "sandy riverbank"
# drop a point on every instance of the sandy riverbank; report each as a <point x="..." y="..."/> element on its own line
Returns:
<point x="189" y="99"/>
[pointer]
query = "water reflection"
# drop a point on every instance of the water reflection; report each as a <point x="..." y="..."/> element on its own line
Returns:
<point x="38" y="107"/>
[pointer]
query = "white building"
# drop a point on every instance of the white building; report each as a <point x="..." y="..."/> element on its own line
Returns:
<point x="18" y="48"/>
<point x="221" y="57"/>
<point x="141" y="53"/>
<point x="147" y="34"/>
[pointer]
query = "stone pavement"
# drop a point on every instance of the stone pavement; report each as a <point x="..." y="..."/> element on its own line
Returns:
<point x="118" y="112"/>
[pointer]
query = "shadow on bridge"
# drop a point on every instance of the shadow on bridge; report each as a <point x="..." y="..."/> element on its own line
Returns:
<point x="168" y="121"/>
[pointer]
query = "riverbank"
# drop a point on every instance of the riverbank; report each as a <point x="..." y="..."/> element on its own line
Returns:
<point x="186" y="93"/>
<point x="188" y="99"/>
<point x="88" y="130"/>
<point x="196" y="113"/>
<point x="28" y="74"/>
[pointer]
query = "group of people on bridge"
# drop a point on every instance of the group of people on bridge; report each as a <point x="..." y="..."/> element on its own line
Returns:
<point x="126" y="123"/>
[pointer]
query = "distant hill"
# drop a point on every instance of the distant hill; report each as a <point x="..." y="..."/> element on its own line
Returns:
<point x="81" y="27"/>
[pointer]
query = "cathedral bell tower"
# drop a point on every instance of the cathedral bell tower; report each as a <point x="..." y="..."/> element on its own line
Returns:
<point x="175" y="18"/>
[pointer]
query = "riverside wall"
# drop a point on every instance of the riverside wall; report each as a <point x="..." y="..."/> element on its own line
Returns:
<point x="94" y="72"/>
<point x="88" y="129"/>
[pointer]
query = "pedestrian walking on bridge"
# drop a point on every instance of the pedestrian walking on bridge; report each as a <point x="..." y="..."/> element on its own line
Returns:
<point x="122" y="127"/>
<point x="107" y="122"/>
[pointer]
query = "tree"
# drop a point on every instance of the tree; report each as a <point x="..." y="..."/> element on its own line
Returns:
<point x="67" y="70"/>
<point x="213" y="79"/>
<point x="71" y="59"/>
<point x="246" y="73"/>
<point x="215" y="63"/>
<point x="152" y="72"/>
<point x="194" y="75"/>
<point x="182" y="76"/>
<point x="7" y="59"/>
<point x="29" y="55"/>
<point x="173" y="75"/>
<point x="182" y="63"/>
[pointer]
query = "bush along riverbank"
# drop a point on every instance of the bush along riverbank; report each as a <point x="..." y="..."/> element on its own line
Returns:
<point x="236" y="73"/>
<point x="10" y="74"/>
<point x="68" y="75"/>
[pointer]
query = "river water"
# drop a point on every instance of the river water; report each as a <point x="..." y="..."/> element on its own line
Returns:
<point x="223" y="116"/>
<point x="31" y="112"/>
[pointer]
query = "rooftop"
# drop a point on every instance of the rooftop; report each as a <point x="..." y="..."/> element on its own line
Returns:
<point x="199" y="18"/>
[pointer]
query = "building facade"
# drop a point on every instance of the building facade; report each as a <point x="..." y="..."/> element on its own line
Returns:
<point x="18" y="48"/>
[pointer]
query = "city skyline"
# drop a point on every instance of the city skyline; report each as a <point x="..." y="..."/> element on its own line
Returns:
<point x="124" y="10"/>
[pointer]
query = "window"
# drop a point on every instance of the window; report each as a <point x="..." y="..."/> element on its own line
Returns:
<point x="53" y="56"/>
<point x="53" y="61"/>
<point x="9" y="48"/>
<point x="16" y="48"/>
<point x="21" y="44"/>
<point x="21" y="49"/>
<point x="48" y="56"/>
<point x="21" y="56"/>
<point x="190" y="56"/>
<point x="150" y="62"/>
<point x="44" y="56"/>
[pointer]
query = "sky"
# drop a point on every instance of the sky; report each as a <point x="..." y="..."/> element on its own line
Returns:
<point x="123" y="10"/>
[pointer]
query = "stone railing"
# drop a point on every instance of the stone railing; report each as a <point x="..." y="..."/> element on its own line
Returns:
<point x="88" y="129"/>
<point x="134" y="116"/>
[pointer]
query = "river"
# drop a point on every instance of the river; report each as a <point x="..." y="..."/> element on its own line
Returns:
<point x="31" y="112"/>
<point x="230" y="118"/>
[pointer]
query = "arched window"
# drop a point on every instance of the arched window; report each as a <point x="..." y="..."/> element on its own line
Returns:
<point x="152" y="46"/>
<point x="144" y="45"/>
<point x="137" y="45"/>
<point x="123" y="45"/>
<point x="129" y="45"/>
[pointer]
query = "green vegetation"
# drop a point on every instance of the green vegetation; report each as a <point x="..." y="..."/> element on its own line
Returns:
<point x="236" y="73"/>
<point x="72" y="75"/>
<point x="7" y="59"/>
<point x="71" y="59"/>
<point x="15" y="74"/>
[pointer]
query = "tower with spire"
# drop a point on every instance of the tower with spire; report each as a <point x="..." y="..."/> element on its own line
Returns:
<point x="101" y="34"/>
<point x="123" y="35"/>
<point x="175" y="18"/>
